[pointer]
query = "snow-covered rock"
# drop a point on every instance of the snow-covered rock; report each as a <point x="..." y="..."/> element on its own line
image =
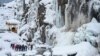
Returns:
<point x="88" y="32"/>
<point x="93" y="26"/>
<point x="82" y="49"/>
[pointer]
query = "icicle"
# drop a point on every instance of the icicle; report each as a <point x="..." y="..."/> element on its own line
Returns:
<point x="67" y="20"/>
<point x="59" y="22"/>
<point x="60" y="19"/>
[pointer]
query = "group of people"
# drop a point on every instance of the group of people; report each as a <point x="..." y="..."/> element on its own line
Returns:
<point x="19" y="47"/>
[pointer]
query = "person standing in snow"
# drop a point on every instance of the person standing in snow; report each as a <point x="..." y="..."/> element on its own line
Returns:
<point x="31" y="46"/>
<point x="25" y="48"/>
<point x="16" y="47"/>
<point x="19" y="48"/>
<point x="12" y="45"/>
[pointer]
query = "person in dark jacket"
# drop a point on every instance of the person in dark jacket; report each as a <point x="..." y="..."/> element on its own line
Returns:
<point x="25" y="48"/>
<point x="17" y="47"/>
<point x="12" y="46"/>
<point x="31" y="47"/>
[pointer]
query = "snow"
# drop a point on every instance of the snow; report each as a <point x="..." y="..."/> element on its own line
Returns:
<point x="45" y="1"/>
<point x="65" y="45"/>
<point x="33" y="24"/>
<point x="5" y="14"/>
<point x="38" y="55"/>
<point x="49" y="19"/>
<point x="10" y="36"/>
<point x="27" y="1"/>
<point x="60" y="35"/>
<point x="89" y="33"/>
<point x="10" y="4"/>
<point x="2" y="53"/>
<point x="90" y="26"/>
<point x="50" y="13"/>
<point x="97" y="55"/>
<point x="6" y="39"/>
<point x="13" y="21"/>
<point x="47" y="53"/>
<point x="25" y="27"/>
<point x="96" y="5"/>
<point x="63" y="41"/>
<point x="82" y="49"/>
<point x="2" y="24"/>
<point x="67" y="38"/>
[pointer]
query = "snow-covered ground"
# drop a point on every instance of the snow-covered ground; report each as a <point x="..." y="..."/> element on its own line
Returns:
<point x="5" y="14"/>
<point x="5" y="41"/>
<point x="82" y="49"/>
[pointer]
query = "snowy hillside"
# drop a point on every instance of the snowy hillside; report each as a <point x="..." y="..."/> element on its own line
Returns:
<point x="50" y="28"/>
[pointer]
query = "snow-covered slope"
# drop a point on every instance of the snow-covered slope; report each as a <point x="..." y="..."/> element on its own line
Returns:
<point x="5" y="14"/>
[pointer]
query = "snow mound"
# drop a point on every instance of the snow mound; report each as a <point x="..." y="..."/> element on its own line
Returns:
<point x="67" y="38"/>
<point x="13" y="37"/>
<point x="88" y="32"/>
<point x="82" y="49"/>
<point x="6" y="39"/>
<point x="93" y="26"/>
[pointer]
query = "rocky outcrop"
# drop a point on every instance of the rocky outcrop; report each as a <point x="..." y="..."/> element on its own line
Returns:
<point x="42" y="24"/>
<point x="79" y="12"/>
<point x="74" y="13"/>
<point x="95" y="10"/>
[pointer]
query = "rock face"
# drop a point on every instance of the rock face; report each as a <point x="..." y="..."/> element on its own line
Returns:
<point x="95" y="10"/>
<point x="62" y="4"/>
<point x="41" y="14"/>
<point x="79" y="12"/>
<point x="73" y="13"/>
